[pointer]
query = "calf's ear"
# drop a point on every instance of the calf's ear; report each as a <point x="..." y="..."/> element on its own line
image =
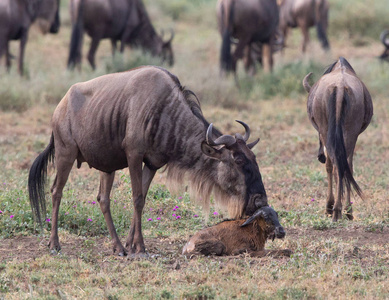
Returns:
<point x="210" y="151"/>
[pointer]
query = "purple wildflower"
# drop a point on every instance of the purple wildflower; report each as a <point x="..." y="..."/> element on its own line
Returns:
<point x="177" y="206"/>
<point x="1" y="211"/>
<point x="74" y="206"/>
<point x="215" y="213"/>
<point x="180" y="197"/>
<point x="312" y="199"/>
<point x="195" y="216"/>
<point x="174" y="209"/>
<point x="173" y="215"/>
<point x="150" y="219"/>
<point x="94" y="202"/>
<point x="178" y="217"/>
<point x="158" y="218"/>
<point x="66" y="213"/>
<point x="11" y="216"/>
<point x="351" y="202"/>
<point x="89" y="220"/>
<point x="48" y="220"/>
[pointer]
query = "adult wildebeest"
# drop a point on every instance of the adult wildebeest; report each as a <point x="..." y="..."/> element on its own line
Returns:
<point x="305" y="14"/>
<point x="16" y="17"/>
<point x="340" y="108"/>
<point x="248" y="22"/>
<point x="232" y="237"/>
<point x="384" y="37"/>
<point x="123" y="20"/>
<point x="144" y="119"/>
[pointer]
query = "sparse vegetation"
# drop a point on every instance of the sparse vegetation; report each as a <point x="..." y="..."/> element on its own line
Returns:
<point x="346" y="259"/>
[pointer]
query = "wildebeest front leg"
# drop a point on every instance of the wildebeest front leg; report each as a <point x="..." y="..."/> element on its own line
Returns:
<point x="238" y="53"/>
<point x="23" y="41"/>
<point x="92" y="51"/>
<point x="63" y="170"/>
<point x="106" y="181"/>
<point x="330" y="194"/>
<point x="140" y="180"/>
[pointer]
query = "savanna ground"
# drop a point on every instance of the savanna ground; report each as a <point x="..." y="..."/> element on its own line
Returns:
<point x="346" y="260"/>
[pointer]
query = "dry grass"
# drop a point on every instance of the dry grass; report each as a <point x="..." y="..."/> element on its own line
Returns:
<point x="348" y="260"/>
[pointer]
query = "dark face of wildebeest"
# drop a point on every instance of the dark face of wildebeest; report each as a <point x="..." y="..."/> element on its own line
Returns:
<point x="270" y="223"/>
<point x="237" y="171"/>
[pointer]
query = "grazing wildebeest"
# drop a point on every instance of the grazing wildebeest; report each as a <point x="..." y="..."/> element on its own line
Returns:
<point x="384" y="37"/>
<point x="305" y="14"/>
<point x="248" y="22"/>
<point x="340" y="108"/>
<point x="144" y="119"/>
<point x="123" y="20"/>
<point x="232" y="237"/>
<point x="16" y="17"/>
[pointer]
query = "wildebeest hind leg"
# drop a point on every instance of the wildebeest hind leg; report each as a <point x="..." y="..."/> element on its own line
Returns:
<point x="63" y="170"/>
<point x="330" y="194"/>
<point x="106" y="181"/>
<point x="349" y="208"/>
<point x="92" y="51"/>
<point x="140" y="181"/>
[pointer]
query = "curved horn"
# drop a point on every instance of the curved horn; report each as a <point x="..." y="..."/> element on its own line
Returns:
<point x="257" y="214"/>
<point x="247" y="128"/>
<point x="227" y="140"/>
<point x="383" y="37"/>
<point x="252" y="144"/>
<point x="306" y="84"/>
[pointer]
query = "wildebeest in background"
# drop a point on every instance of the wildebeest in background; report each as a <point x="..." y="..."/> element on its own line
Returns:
<point x="16" y="17"/>
<point x="126" y="21"/>
<point x="233" y="237"/>
<point x="340" y="108"/>
<point x="248" y="22"/>
<point x="305" y="14"/>
<point x="144" y="119"/>
<point x="384" y="37"/>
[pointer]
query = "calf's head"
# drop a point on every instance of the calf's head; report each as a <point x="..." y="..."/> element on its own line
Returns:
<point x="267" y="219"/>
<point x="237" y="172"/>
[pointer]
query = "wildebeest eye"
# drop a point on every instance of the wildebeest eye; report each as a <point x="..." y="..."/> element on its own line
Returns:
<point x="239" y="159"/>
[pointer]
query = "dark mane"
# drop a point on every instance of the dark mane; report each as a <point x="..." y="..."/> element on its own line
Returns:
<point x="329" y="69"/>
<point x="343" y="62"/>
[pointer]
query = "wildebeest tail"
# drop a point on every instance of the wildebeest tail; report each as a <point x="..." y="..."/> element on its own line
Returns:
<point x="335" y="142"/>
<point x="321" y="17"/>
<point x="37" y="179"/>
<point x="225" y="54"/>
<point x="76" y="37"/>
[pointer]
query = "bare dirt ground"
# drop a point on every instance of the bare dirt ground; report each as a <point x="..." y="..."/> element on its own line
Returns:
<point x="29" y="248"/>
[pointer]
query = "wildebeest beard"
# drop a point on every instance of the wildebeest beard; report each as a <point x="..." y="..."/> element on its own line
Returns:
<point x="255" y="190"/>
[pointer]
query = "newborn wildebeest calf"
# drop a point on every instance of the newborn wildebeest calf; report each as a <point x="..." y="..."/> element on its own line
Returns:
<point x="233" y="237"/>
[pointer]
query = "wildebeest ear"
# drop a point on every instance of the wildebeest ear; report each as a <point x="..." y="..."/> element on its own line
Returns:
<point x="210" y="151"/>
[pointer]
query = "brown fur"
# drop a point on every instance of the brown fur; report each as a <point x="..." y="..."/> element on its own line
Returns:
<point x="142" y="119"/>
<point x="249" y="22"/>
<point x="339" y="108"/>
<point x="229" y="238"/>
<point x="305" y="14"/>
<point x="16" y="17"/>
<point x="126" y="21"/>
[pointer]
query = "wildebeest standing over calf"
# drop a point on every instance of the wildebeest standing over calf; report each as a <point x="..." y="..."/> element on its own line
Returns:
<point x="340" y="108"/>
<point x="234" y="237"/>
<point x="126" y="21"/>
<point x="16" y="17"/>
<point x="248" y="22"/>
<point x="305" y="14"/>
<point x="384" y="37"/>
<point x="144" y="119"/>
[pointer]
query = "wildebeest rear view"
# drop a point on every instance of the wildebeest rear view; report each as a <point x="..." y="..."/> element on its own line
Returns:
<point x="144" y="119"/>
<point x="247" y="21"/>
<point x="339" y="108"/>
<point x="305" y="14"/>
<point x="16" y="17"/>
<point x="126" y="21"/>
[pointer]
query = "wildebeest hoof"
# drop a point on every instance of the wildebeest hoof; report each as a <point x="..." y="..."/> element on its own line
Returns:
<point x="139" y="256"/>
<point x="350" y="217"/>
<point x="122" y="253"/>
<point x="55" y="252"/>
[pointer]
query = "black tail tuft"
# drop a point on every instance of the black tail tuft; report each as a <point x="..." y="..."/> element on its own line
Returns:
<point x="37" y="179"/>
<point x="335" y="144"/>
<point x="322" y="36"/>
<point x="76" y="39"/>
